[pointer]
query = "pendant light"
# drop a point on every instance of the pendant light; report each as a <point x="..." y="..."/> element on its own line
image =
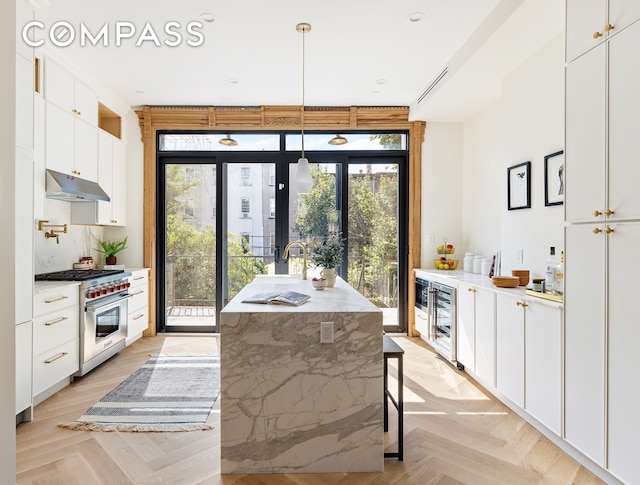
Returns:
<point x="338" y="140"/>
<point x="303" y="181"/>
<point x="228" y="141"/>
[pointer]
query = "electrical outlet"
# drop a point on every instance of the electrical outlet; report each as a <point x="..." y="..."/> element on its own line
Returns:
<point x="430" y="239"/>
<point x="326" y="332"/>
<point x="519" y="255"/>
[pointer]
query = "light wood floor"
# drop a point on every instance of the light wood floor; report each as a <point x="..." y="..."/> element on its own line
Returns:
<point x="455" y="433"/>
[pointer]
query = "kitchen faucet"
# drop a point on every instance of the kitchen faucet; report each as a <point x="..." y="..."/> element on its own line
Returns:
<point x="304" y="255"/>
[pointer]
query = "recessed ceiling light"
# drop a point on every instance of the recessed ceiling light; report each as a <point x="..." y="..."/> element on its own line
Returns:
<point x="208" y="17"/>
<point x="375" y="92"/>
<point x="139" y="92"/>
<point x="232" y="81"/>
<point x="415" y="16"/>
<point x="381" y="81"/>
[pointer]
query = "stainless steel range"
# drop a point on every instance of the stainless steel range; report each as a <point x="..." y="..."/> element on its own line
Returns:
<point x="103" y="312"/>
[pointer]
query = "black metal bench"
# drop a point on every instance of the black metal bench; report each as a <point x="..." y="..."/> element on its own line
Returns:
<point x="392" y="350"/>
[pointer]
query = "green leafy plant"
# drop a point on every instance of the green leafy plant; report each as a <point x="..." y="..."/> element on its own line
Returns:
<point x="329" y="253"/>
<point x="111" y="248"/>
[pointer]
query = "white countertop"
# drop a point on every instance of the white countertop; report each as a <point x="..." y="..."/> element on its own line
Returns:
<point x="340" y="298"/>
<point x="454" y="277"/>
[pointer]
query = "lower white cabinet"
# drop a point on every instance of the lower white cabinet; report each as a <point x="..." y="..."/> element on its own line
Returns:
<point x="510" y="347"/>
<point x="56" y="339"/>
<point x="24" y="358"/>
<point x="138" y="320"/>
<point x="543" y="364"/>
<point x="476" y="331"/>
<point x="422" y="321"/>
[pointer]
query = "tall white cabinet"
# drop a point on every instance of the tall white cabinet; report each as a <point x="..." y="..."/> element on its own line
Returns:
<point x="602" y="209"/>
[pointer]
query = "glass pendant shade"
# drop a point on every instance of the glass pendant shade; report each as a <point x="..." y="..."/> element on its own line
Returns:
<point x="303" y="181"/>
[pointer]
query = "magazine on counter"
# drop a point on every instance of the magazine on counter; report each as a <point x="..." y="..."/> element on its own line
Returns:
<point x="283" y="298"/>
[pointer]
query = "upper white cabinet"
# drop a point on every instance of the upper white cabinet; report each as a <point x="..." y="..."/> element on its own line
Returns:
<point x="608" y="193"/>
<point x="24" y="102"/>
<point x="71" y="144"/>
<point x="24" y="14"/>
<point x="590" y="22"/>
<point x="112" y="179"/>
<point x="68" y="93"/>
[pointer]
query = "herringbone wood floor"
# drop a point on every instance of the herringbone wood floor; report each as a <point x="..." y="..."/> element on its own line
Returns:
<point x="454" y="433"/>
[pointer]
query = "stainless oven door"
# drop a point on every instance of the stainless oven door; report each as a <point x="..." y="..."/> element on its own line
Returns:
<point x="105" y="325"/>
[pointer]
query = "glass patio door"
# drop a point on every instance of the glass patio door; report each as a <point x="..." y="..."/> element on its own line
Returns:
<point x="190" y="276"/>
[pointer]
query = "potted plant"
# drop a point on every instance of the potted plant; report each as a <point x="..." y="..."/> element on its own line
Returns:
<point x="111" y="248"/>
<point x="328" y="255"/>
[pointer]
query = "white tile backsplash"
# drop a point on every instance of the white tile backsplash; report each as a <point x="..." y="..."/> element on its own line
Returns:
<point x="78" y="242"/>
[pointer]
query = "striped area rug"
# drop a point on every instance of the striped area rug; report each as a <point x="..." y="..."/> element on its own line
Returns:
<point x="168" y="393"/>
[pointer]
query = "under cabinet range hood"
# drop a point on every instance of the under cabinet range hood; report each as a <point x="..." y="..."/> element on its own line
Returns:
<point x="73" y="189"/>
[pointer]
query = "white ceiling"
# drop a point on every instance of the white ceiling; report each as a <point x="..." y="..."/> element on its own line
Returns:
<point x="358" y="53"/>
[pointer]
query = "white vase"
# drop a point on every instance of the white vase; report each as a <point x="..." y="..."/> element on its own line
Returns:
<point x="329" y="274"/>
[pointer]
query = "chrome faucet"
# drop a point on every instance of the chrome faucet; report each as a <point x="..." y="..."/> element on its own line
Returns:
<point x="304" y="255"/>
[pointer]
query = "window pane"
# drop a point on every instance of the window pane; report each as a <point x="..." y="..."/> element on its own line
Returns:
<point x="356" y="141"/>
<point x="211" y="142"/>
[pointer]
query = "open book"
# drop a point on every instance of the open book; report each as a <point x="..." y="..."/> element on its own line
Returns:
<point x="284" y="298"/>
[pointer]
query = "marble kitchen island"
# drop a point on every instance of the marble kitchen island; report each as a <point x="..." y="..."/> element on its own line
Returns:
<point x="290" y="404"/>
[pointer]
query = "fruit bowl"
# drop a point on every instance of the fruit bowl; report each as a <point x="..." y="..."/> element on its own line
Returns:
<point x="446" y="251"/>
<point x="319" y="283"/>
<point x="445" y="264"/>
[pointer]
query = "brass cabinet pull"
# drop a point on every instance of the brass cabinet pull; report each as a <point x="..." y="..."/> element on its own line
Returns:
<point x="597" y="34"/>
<point x="136" y="278"/>
<point x="608" y="27"/>
<point x="64" y="297"/>
<point x="139" y="316"/>
<point x="608" y="230"/>
<point x="53" y="322"/>
<point x="53" y="359"/>
<point x="609" y="212"/>
<point x="113" y="221"/>
<point x="597" y="230"/>
<point x="471" y="290"/>
<point x="597" y="213"/>
<point x="522" y="304"/>
<point x="422" y="317"/>
<point x="137" y="292"/>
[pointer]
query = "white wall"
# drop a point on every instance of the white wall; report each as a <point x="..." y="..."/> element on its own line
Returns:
<point x="441" y="189"/>
<point x="533" y="126"/>
<point x="525" y="124"/>
<point x="7" y="243"/>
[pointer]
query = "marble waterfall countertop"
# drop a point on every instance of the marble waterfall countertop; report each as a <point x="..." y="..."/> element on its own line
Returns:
<point x="290" y="404"/>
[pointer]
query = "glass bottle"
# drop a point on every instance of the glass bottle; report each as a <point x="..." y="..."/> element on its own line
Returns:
<point x="550" y="273"/>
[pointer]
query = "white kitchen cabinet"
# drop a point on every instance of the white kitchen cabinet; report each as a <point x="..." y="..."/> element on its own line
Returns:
<point x="543" y="363"/>
<point x="24" y="14"/>
<point x="71" y="144"/>
<point x="623" y="327"/>
<point x="70" y="94"/>
<point x="510" y="345"/>
<point x="138" y="320"/>
<point x="111" y="177"/>
<point x="56" y="338"/>
<point x="24" y="361"/>
<point x="609" y="193"/>
<point x="466" y="331"/>
<point x="39" y="163"/>
<point x="486" y="335"/>
<point x="585" y="337"/>
<point x="24" y="102"/>
<point x="585" y="138"/>
<point x="590" y="22"/>
<point x="422" y="321"/>
<point x="476" y="331"/>
<point x="624" y="142"/>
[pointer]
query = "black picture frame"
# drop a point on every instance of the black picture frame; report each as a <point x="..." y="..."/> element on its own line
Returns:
<point x="554" y="179"/>
<point x="519" y="186"/>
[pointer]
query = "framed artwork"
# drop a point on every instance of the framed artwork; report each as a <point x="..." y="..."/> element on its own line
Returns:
<point x="519" y="186"/>
<point x="554" y="179"/>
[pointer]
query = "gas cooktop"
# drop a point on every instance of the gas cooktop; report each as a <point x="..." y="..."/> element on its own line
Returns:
<point x="77" y="274"/>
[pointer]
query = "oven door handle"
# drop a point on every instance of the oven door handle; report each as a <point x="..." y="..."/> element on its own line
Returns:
<point x="95" y="308"/>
